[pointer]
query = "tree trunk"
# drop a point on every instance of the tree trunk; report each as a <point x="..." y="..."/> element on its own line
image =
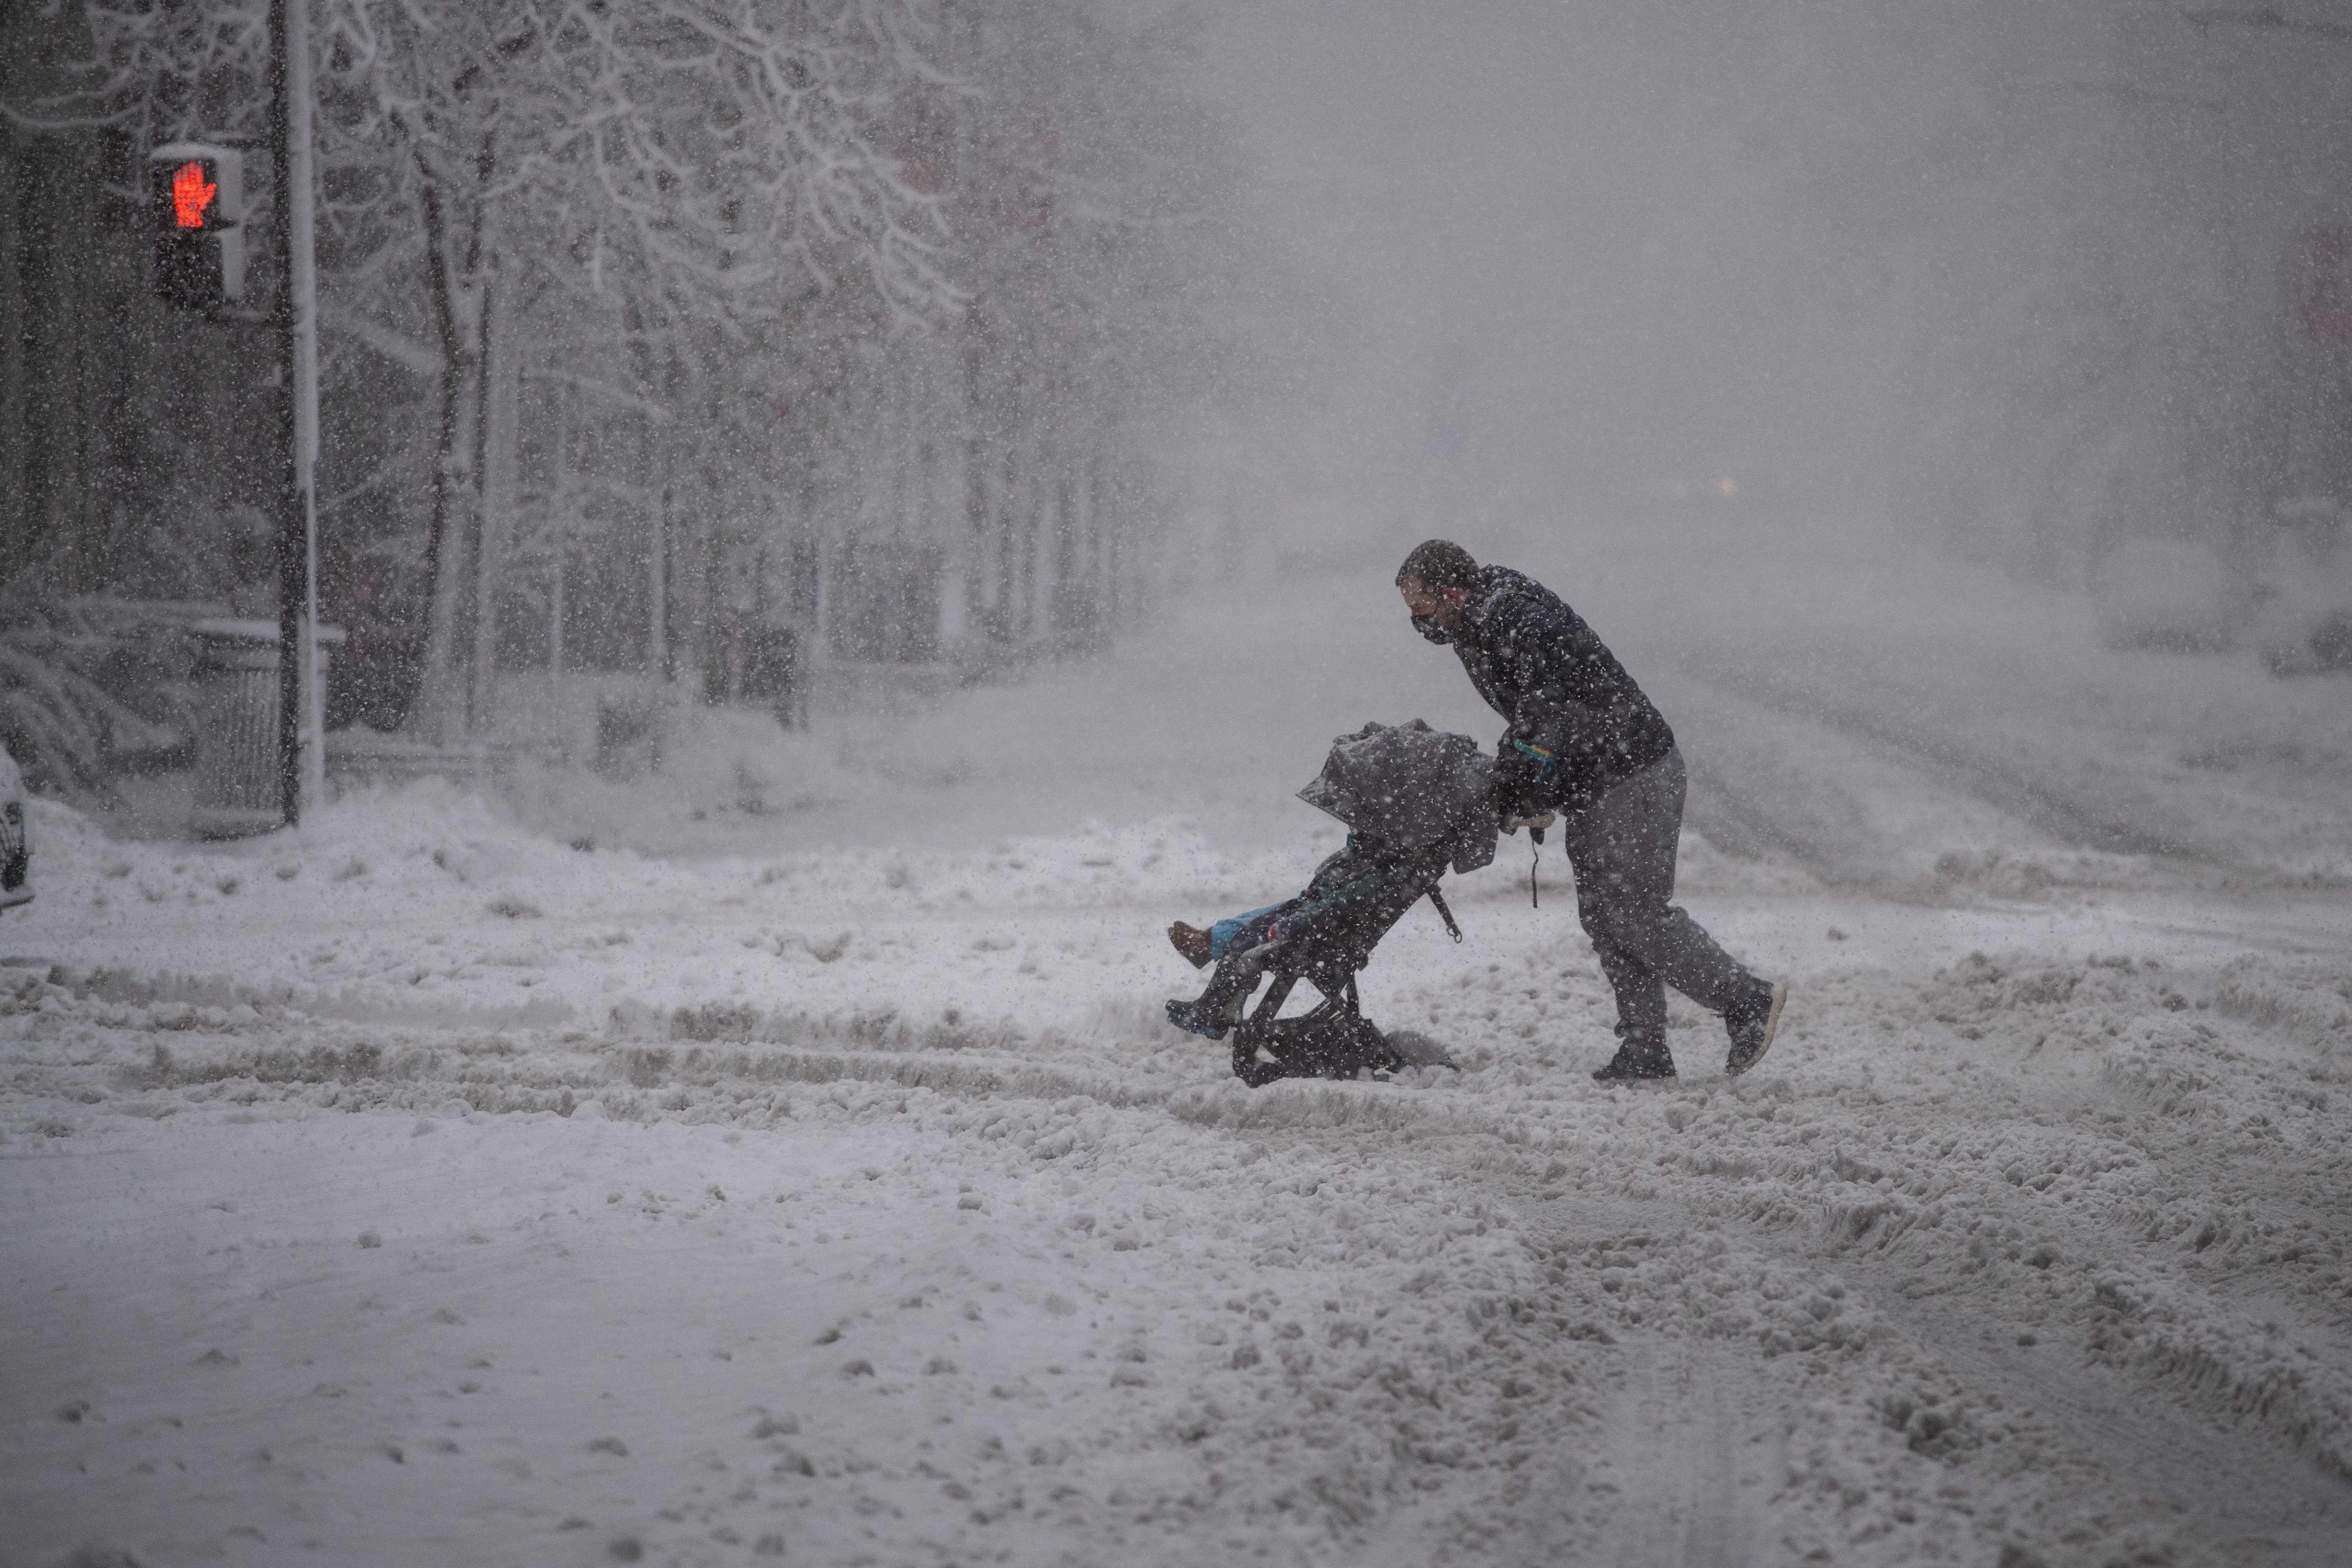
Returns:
<point x="1099" y="594"/>
<point x="1007" y="616"/>
<point x="975" y="484"/>
<point x="498" y="427"/>
<point x="694" y="556"/>
<point x="16" y="523"/>
<point x="653" y="470"/>
<point x="1028" y="502"/>
<point x="560" y="490"/>
<point x="658" y="584"/>
<point x="63" y="339"/>
<point x="439" y="715"/>
<point x="1069" y="605"/>
<point x="1112" y="520"/>
<point x="555" y="628"/>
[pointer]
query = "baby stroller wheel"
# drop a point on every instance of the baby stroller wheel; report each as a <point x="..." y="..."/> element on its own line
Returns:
<point x="1334" y="1040"/>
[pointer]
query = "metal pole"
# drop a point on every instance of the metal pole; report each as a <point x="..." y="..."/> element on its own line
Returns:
<point x="559" y="520"/>
<point x="657" y="639"/>
<point x="301" y="726"/>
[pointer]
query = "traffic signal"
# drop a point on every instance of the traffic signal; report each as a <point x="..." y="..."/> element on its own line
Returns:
<point x="196" y="195"/>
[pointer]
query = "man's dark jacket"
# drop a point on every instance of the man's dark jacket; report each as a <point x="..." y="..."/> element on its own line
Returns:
<point x="1563" y="692"/>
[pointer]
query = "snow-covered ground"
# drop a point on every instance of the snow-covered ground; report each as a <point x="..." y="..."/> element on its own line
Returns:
<point x="804" y="1170"/>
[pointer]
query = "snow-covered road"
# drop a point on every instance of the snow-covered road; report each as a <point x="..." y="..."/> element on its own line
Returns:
<point x="423" y="1190"/>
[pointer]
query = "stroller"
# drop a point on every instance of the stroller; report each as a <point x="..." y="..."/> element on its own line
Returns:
<point x="1416" y="802"/>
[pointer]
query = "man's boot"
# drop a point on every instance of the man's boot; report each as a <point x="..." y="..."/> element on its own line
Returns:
<point x="1638" y="1058"/>
<point x="1752" y="1021"/>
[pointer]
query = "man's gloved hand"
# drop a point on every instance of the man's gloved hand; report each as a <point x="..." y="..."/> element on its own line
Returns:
<point x="1522" y="775"/>
<point x="1517" y="780"/>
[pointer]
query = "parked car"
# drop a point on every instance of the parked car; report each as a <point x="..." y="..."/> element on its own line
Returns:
<point x="2169" y="593"/>
<point x="15" y="845"/>
<point x="2306" y="624"/>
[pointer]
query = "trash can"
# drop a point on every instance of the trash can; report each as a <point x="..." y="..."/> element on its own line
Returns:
<point x="236" y="726"/>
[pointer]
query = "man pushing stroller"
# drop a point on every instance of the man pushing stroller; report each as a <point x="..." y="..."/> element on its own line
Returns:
<point x="1584" y="744"/>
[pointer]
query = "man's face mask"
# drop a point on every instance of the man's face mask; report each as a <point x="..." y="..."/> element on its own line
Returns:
<point x="1428" y="627"/>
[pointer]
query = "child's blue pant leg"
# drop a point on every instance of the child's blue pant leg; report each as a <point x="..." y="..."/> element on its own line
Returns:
<point x="1221" y="935"/>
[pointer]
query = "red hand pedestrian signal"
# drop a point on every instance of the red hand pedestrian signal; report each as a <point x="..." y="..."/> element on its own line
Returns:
<point x="191" y="195"/>
<point x="195" y="205"/>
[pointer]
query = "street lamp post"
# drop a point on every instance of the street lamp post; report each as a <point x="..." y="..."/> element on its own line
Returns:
<point x="301" y="706"/>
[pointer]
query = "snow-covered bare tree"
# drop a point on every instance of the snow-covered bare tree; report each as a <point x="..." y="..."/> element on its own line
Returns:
<point x="1096" y="204"/>
<point x="879" y="316"/>
<point x="692" y="164"/>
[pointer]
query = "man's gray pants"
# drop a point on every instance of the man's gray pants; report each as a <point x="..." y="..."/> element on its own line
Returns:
<point x="1622" y="849"/>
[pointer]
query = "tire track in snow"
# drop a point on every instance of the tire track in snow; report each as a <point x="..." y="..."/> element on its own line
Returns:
<point x="1768" y="783"/>
<point x="1687" y="1467"/>
<point x="1692" y="1463"/>
<point x="1683" y="1502"/>
<point x="2066" y="815"/>
<point x="2235" y="1487"/>
<point x="1726" y="816"/>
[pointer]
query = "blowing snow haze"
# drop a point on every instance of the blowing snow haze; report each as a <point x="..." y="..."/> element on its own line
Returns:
<point x="2017" y="277"/>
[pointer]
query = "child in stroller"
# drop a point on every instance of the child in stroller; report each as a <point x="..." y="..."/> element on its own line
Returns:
<point x="1416" y="802"/>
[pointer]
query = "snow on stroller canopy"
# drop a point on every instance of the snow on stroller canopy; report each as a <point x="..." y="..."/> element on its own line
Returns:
<point x="1412" y="788"/>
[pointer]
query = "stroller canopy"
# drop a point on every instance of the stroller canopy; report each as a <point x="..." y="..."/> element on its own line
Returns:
<point x="1412" y="788"/>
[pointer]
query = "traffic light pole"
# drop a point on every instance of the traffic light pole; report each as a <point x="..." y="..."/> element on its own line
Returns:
<point x="301" y="726"/>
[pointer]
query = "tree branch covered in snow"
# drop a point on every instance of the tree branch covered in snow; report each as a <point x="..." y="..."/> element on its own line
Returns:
<point x="759" y="277"/>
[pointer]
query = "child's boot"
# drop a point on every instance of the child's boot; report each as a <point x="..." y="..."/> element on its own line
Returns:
<point x="1219" y="1007"/>
<point x="1192" y="941"/>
